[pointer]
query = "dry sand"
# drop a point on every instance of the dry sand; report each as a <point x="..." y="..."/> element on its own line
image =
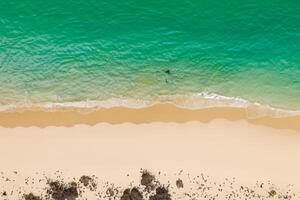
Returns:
<point x="219" y="148"/>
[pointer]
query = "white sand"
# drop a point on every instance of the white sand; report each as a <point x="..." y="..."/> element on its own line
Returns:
<point x="219" y="148"/>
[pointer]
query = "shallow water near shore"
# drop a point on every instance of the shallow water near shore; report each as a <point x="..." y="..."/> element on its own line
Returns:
<point x="140" y="52"/>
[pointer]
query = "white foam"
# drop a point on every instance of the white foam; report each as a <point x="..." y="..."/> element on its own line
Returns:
<point x="193" y="101"/>
<point x="110" y="103"/>
<point x="210" y="95"/>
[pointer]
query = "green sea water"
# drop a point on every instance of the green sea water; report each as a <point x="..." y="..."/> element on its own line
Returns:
<point x="63" y="51"/>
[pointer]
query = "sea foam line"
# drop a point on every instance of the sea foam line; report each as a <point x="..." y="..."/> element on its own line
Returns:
<point x="198" y="101"/>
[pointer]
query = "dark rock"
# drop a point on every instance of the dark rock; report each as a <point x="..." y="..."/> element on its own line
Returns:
<point x="31" y="196"/>
<point x="126" y="195"/>
<point x="179" y="183"/>
<point x="272" y="193"/>
<point x="147" y="178"/>
<point x="88" y="182"/>
<point x="61" y="191"/>
<point x="110" y="192"/>
<point x="85" y="180"/>
<point x="161" y="194"/>
<point x="135" y="194"/>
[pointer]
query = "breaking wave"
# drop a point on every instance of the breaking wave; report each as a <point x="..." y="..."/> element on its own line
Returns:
<point x="194" y="102"/>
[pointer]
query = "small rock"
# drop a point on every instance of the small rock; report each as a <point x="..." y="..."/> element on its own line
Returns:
<point x="110" y="192"/>
<point x="272" y="193"/>
<point x="179" y="183"/>
<point x="85" y="180"/>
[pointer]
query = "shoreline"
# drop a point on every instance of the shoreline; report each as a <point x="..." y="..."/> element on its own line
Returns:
<point x="68" y="117"/>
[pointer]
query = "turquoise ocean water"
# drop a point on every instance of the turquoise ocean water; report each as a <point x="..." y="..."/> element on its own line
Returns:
<point x="195" y="53"/>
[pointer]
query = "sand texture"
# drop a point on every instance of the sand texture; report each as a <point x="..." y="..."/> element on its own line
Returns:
<point x="222" y="157"/>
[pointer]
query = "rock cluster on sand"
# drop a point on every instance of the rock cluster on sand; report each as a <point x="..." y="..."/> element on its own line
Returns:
<point x="133" y="194"/>
<point x="161" y="194"/>
<point x="149" y="187"/>
<point x="31" y="196"/>
<point x="147" y="178"/>
<point x="89" y="182"/>
<point x="61" y="191"/>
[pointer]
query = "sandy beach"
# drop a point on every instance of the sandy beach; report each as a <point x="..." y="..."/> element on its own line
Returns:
<point x="149" y="100"/>
<point x="70" y="116"/>
<point x="245" y="150"/>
